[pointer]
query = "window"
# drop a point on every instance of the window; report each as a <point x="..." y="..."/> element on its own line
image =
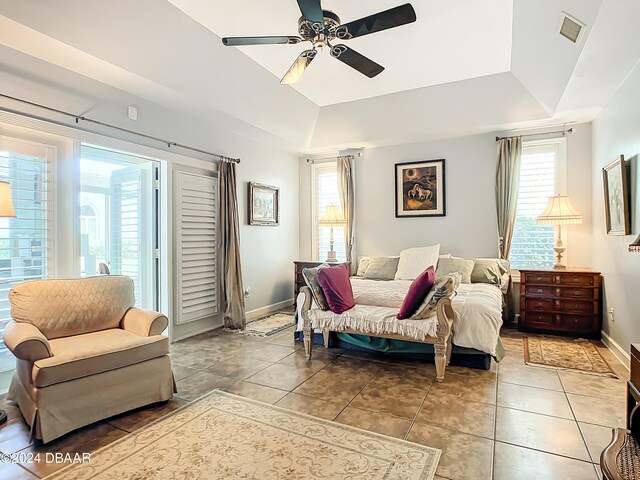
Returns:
<point x="325" y="193"/>
<point x="25" y="241"/>
<point x="541" y="176"/>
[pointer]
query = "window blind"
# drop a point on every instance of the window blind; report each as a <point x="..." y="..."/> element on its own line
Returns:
<point x="532" y="244"/>
<point x="197" y="273"/>
<point x="25" y="241"/>
<point x="325" y="194"/>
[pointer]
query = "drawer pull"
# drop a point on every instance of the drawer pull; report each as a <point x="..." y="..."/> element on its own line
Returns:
<point x="557" y="278"/>
<point x="557" y="291"/>
<point x="539" y="290"/>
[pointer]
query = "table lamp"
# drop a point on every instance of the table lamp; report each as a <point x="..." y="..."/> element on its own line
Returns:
<point x="559" y="212"/>
<point x="332" y="217"/>
<point x="6" y="210"/>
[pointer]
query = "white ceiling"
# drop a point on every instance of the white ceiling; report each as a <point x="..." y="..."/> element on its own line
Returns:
<point x="464" y="67"/>
<point x="450" y="41"/>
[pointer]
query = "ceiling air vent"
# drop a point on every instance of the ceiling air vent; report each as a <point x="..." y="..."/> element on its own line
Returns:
<point x="570" y="27"/>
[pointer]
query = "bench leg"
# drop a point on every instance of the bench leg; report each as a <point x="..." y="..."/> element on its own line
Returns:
<point x="325" y="337"/>
<point x="308" y="341"/>
<point x="441" y="361"/>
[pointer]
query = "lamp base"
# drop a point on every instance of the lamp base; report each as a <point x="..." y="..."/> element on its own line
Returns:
<point x="559" y="248"/>
<point x="331" y="256"/>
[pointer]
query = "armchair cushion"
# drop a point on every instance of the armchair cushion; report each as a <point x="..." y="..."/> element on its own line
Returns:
<point x="26" y="342"/>
<point x="93" y="353"/>
<point x="144" y="322"/>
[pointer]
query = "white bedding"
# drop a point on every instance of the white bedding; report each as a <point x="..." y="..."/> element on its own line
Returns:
<point x="477" y="308"/>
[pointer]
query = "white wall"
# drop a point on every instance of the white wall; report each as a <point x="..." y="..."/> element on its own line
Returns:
<point x="469" y="228"/>
<point x="616" y="131"/>
<point x="267" y="252"/>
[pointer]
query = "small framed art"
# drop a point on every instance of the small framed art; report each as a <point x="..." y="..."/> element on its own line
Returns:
<point x="264" y="205"/>
<point x="616" y="198"/>
<point x="420" y="189"/>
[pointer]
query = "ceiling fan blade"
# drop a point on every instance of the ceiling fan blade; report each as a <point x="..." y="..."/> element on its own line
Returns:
<point x="241" y="41"/>
<point x="299" y="66"/>
<point x="378" y="22"/>
<point x="311" y="10"/>
<point x="356" y="60"/>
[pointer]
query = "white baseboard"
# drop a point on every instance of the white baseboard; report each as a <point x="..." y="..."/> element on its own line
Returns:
<point x="619" y="352"/>
<point x="264" y="311"/>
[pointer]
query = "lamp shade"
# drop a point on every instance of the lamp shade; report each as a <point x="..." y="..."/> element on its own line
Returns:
<point x="6" y="204"/>
<point x="332" y="216"/>
<point x="559" y="212"/>
<point x="635" y="246"/>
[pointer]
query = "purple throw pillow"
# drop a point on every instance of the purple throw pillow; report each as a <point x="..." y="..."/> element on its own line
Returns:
<point x="336" y="287"/>
<point x="417" y="292"/>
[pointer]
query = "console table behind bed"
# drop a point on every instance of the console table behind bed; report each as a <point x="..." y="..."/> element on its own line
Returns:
<point x="442" y="340"/>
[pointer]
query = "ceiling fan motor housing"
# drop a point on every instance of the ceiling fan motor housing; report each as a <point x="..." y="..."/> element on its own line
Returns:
<point x="319" y="33"/>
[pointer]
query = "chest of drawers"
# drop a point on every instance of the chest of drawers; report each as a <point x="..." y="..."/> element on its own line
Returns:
<point x="566" y="302"/>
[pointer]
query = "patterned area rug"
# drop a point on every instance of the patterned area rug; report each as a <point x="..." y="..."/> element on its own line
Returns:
<point x="566" y="354"/>
<point x="266" y="326"/>
<point x="222" y="436"/>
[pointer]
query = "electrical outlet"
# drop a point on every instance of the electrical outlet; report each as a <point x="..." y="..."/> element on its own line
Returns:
<point x="247" y="292"/>
<point x="610" y="315"/>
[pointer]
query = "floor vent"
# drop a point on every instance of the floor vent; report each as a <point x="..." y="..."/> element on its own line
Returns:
<point x="571" y="27"/>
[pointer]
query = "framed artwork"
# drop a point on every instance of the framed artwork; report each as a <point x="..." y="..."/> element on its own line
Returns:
<point x="420" y="189"/>
<point x="616" y="198"/>
<point x="264" y="204"/>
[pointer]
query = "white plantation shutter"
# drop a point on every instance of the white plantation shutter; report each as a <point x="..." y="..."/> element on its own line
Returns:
<point x="532" y="244"/>
<point x="25" y="241"/>
<point x="197" y="273"/>
<point x="325" y="194"/>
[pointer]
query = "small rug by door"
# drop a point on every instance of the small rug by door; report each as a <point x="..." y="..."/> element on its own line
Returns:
<point x="566" y="354"/>
<point x="266" y="326"/>
<point x="222" y="436"/>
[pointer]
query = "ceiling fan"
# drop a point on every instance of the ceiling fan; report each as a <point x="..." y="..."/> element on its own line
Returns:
<point x="321" y="27"/>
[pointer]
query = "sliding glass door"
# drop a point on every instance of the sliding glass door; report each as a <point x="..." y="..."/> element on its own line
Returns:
<point x="118" y="218"/>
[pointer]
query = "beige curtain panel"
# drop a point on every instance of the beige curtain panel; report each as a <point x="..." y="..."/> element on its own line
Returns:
<point x="232" y="287"/>
<point x="346" y="189"/>
<point x="507" y="182"/>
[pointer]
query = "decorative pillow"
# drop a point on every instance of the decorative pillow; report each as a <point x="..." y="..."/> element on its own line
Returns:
<point x="414" y="261"/>
<point x="454" y="264"/>
<point x="417" y="292"/>
<point x="382" y="268"/>
<point x="363" y="264"/>
<point x="336" y="286"/>
<point x="487" y="270"/>
<point x="444" y="287"/>
<point x="311" y="278"/>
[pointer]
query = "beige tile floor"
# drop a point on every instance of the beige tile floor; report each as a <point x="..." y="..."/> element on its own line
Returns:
<point x="512" y="422"/>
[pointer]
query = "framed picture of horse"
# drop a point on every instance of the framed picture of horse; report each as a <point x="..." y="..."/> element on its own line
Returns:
<point x="420" y="189"/>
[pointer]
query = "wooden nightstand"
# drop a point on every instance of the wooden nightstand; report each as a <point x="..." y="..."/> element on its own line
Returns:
<point x="561" y="301"/>
<point x="298" y="281"/>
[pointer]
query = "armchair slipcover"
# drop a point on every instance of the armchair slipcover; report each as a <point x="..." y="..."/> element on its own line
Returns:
<point x="84" y="353"/>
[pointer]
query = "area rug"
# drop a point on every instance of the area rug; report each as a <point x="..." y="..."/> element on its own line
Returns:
<point x="223" y="436"/>
<point x="266" y="326"/>
<point x="566" y="354"/>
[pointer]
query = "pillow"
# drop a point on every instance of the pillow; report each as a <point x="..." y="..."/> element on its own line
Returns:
<point x="336" y="287"/>
<point x="311" y="278"/>
<point x="487" y="270"/>
<point x="363" y="264"/>
<point x="463" y="266"/>
<point x="444" y="287"/>
<point x="382" y="268"/>
<point x="417" y="293"/>
<point x="414" y="261"/>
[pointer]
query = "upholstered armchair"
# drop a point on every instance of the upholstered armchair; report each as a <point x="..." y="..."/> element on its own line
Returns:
<point x="84" y="353"/>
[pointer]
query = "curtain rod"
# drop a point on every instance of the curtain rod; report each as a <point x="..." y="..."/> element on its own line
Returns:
<point x="325" y="159"/>
<point x="77" y="118"/>
<point x="563" y="132"/>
